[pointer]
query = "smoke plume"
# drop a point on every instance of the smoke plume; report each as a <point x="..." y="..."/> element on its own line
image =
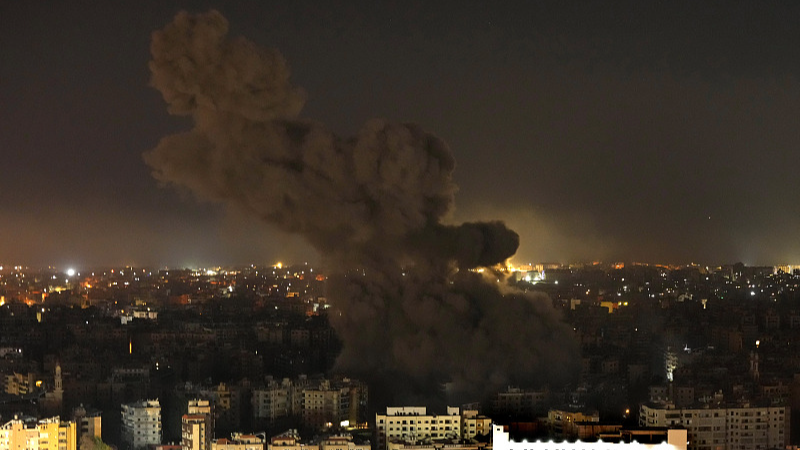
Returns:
<point x="406" y="305"/>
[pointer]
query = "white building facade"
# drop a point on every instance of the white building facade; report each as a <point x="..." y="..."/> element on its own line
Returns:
<point x="141" y="424"/>
<point x="724" y="428"/>
<point x="413" y="423"/>
<point x="279" y="399"/>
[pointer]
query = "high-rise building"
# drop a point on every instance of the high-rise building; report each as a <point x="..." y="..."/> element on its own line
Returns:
<point x="317" y="402"/>
<point x="197" y="426"/>
<point x="279" y="399"/>
<point x="195" y="434"/>
<point x="333" y="402"/>
<point x="141" y="424"/>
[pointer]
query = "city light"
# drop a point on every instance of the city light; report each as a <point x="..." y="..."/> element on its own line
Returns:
<point x="654" y="132"/>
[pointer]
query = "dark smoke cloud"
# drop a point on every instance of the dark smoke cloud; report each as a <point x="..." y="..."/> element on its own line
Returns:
<point x="372" y="205"/>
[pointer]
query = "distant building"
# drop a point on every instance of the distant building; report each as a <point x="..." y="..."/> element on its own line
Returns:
<point x="437" y="445"/>
<point x="519" y="402"/>
<point x="331" y="403"/>
<point x="197" y="426"/>
<point x="45" y="434"/>
<point x="239" y="442"/>
<point x="412" y="424"/>
<point x="564" y="423"/>
<point x="141" y="424"/>
<point x="724" y="427"/>
<point x="474" y="424"/>
<point x="673" y="439"/>
<point x="341" y="442"/>
<point x="195" y="432"/>
<point x="89" y="422"/>
<point x="127" y="316"/>
<point x="279" y="399"/>
<point x="22" y="384"/>
<point x="320" y="403"/>
<point x="53" y="400"/>
<point x="290" y="440"/>
<point x="227" y="401"/>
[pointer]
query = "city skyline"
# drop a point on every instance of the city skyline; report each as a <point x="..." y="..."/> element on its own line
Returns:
<point x="625" y="131"/>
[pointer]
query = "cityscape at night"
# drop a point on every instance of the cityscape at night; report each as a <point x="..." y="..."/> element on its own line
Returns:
<point x="507" y="225"/>
<point x="659" y="347"/>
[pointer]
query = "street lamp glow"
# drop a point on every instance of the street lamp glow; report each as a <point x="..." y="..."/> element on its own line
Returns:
<point x="70" y="272"/>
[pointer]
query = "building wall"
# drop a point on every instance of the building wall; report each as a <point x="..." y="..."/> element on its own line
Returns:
<point x="46" y="434"/>
<point x="88" y="423"/>
<point x="562" y="423"/>
<point x="289" y="440"/>
<point x="194" y="432"/>
<point x="239" y="442"/>
<point x="49" y="438"/>
<point x="92" y="425"/>
<point x="141" y="424"/>
<point x="317" y="404"/>
<point x="20" y="384"/>
<point x="12" y="436"/>
<point x="341" y="443"/>
<point x="520" y="402"/>
<point x="326" y="405"/>
<point x="473" y="424"/>
<point x="411" y="424"/>
<point x="279" y="399"/>
<point x="738" y="428"/>
<point x="197" y="426"/>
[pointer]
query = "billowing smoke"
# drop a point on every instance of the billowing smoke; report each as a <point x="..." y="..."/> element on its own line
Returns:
<point x="406" y="307"/>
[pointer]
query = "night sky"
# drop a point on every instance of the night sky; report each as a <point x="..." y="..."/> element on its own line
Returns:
<point x="636" y="131"/>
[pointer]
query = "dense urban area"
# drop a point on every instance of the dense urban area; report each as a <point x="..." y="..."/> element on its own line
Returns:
<point x="243" y="359"/>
